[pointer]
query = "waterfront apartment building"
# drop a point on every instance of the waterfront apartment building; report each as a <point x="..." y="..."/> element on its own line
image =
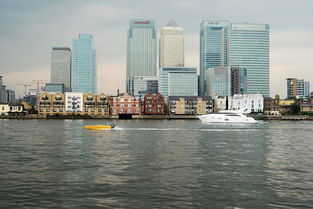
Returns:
<point x="84" y="65"/>
<point x="125" y="104"/>
<point x="142" y="85"/>
<point x="220" y="103"/>
<point x="141" y="50"/>
<point x="178" y="81"/>
<point x="73" y="103"/>
<point x="171" y="46"/>
<point x="295" y="88"/>
<point x="154" y="104"/>
<point x="190" y="105"/>
<point x="61" y="66"/>
<point x="271" y="105"/>
<point x="236" y="44"/>
<point x="252" y="102"/>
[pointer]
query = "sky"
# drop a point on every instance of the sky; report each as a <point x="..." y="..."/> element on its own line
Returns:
<point x="30" y="28"/>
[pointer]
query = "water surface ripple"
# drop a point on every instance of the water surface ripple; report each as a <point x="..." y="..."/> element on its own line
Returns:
<point x="155" y="164"/>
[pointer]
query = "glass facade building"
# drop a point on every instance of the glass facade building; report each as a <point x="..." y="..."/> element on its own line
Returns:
<point x="178" y="81"/>
<point x="213" y="49"/>
<point x="61" y="66"/>
<point x="84" y="65"/>
<point x="55" y="87"/>
<point x="307" y="90"/>
<point x="142" y="85"/>
<point x="236" y="44"/>
<point x="219" y="81"/>
<point x="141" y="50"/>
<point x="249" y="48"/>
<point x="171" y="50"/>
<point x="295" y="88"/>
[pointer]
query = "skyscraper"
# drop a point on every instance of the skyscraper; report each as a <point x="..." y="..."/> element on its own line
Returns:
<point x="171" y="46"/>
<point x="2" y="91"/>
<point x="141" y="50"/>
<point x="84" y="65"/>
<point x="243" y="44"/>
<point x="249" y="48"/>
<point x="213" y="48"/>
<point x="61" y="66"/>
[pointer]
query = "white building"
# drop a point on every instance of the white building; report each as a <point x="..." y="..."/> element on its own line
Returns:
<point x="171" y="46"/>
<point x="4" y="109"/>
<point x="220" y="103"/>
<point x="251" y="102"/>
<point x="73" y="102"/>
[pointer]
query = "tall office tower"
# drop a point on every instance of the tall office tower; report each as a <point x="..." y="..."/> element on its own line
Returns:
<point x="295" y="88"/>
<point x="307" y="90"/>
<point x="213" y="49"/>
<point x="171" y="50"/>
<point x="249" y="48"/>
<point x="178" y="81"/>
<point x="218" y="81"/>
<point x="61" y="61"/>
<point x="2" y="91"/>
<point x="238" y="80"/>
<point x="84" y="65"/>
<point x="247" y="45"/>
<point x="141" y="50"/>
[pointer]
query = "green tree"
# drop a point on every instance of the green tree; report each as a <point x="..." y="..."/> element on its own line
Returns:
<point x="295" y="108"/>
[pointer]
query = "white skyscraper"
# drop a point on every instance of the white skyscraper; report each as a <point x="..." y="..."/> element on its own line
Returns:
<point x="171" y="46"/>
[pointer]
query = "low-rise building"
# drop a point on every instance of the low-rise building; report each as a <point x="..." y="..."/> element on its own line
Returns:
<point x="254" y="103"/>
<point x="103" y="104"/>
<point x="190" y="105"/>
<point x="284" y="105"/>
<point x="73" y="103"/>
<point x="271" y="105"/>
<point x="220" y="103"/>
<point x="16" y="110"/>
<point x="306" y="108"/>
<point x="4" y="109"/>
<point x="125" y="104"/>
<point x="154" y="104"/>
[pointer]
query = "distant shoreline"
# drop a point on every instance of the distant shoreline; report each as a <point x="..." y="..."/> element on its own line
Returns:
<point x="148" y="117"/>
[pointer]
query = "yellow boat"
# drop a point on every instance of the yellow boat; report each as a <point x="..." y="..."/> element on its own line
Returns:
<point x="99" y="127"/>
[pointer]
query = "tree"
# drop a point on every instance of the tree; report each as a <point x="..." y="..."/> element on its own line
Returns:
<point x="295" y="108"/>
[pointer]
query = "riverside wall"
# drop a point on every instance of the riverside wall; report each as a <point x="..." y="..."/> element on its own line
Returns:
<point x="150" y="117"/>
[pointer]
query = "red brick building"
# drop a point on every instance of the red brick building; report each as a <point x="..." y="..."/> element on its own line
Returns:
<point x="125" y="104"/>
<point x="154" y="104"/>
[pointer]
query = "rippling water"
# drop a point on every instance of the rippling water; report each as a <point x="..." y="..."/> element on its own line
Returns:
<point x="155" y="164"/>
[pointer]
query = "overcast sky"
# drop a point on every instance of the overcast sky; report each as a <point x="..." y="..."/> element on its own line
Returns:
<point x="30" y="28"/>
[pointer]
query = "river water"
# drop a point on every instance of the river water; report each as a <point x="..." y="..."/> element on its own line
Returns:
<point x="155" y="164"/>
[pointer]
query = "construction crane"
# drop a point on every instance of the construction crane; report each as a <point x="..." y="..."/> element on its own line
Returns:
<point x="25" y="87"/>
<point x="38" y="82"/>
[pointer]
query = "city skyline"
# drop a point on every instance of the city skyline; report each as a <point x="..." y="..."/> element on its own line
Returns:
<point x="291" y="45"/>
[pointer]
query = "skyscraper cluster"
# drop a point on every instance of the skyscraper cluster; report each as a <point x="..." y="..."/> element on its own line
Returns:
<point x="236" y="44"/>
<point x="74" y="70"/>
<point x="234" y="58"/>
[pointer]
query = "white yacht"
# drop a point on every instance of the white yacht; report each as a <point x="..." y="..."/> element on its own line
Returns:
<point x="227" y="116"/>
